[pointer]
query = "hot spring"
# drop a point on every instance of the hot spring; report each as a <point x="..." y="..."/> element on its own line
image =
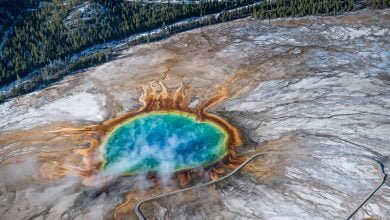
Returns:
<point x="163" y="141"/>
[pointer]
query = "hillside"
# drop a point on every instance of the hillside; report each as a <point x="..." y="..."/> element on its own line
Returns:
<point x="51" y="39"/>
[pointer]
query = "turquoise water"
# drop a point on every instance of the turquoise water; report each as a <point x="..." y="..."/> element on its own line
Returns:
<point x="163" y="142"/>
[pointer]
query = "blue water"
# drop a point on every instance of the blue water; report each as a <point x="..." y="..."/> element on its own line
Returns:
<point x="163" y="142"/>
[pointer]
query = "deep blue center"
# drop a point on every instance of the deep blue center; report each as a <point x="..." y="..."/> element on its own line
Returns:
<point x="163" y="142"/>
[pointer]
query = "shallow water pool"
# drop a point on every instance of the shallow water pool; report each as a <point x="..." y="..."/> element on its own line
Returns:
<point x="163" y="142"/>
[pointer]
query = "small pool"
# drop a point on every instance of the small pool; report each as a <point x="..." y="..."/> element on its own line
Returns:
<point x="163" y="142"/>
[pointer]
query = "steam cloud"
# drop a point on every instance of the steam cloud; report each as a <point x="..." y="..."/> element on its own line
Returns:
<point x="166" y="156"/>
<point x="14" y="173"/>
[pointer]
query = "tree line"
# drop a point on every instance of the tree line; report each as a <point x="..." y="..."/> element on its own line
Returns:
<point x="118" y="22"/>
<point x="297" y="8"/>
<point x="48" y="34"/>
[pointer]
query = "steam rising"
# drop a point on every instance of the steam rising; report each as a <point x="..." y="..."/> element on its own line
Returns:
<point x="14" y="173"/>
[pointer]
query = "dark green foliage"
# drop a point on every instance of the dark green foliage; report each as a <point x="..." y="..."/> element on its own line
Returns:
<point x="57" y="29"/>
<point x="11" y="11"/>
<point x="46" y="39"/>
<point x="296" y="8"/>
<point x="378" y="4"/>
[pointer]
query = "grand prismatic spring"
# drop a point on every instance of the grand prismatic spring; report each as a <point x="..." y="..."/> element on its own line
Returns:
<point x="163" y="141"/>
<point x="164" y="135"/>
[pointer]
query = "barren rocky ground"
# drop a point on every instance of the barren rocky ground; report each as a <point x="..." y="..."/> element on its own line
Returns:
<point x="316" y="90"/>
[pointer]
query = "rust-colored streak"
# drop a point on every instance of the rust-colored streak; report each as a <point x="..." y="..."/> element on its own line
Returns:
<point x="184" y="178"/>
